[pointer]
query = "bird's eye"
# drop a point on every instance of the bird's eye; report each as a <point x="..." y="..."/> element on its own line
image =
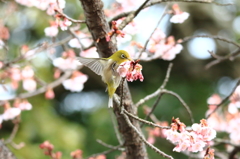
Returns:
<point x="123" y="56"/>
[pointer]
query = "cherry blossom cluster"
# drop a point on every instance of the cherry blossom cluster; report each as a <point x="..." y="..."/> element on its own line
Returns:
<point x="77" y="154"/>
<point x="114" y="30"/>
<point x="61" y="22"/>
<point x="226" y="120"/>
<point x="193" y="140"/>
<point x="11" y="113"/>
<point x="48" y="150"/>
<point x="178" y="15"/>
<point x="15" y="75"/>
<point x="164" y="47"/>
<point x="49" y="5"/>
<point x="130" y="70"/>
<point x="121" y="6"/>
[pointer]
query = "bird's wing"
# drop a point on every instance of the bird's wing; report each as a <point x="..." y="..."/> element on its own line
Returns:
<point x="95" y="64"/>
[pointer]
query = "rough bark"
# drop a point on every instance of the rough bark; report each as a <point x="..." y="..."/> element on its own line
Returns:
<point x="5" y="153"/>
<point x="98" y="26"/>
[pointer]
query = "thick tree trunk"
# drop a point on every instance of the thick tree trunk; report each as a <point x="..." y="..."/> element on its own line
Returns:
<point x="98" y="26"/>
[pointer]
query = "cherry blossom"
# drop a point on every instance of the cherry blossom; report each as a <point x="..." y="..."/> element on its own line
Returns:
<point x="62" y="22"/>
<point x="27" y="72"/>
<point x="178" y="15"/>
<point x="22" y="104"/>
<point x="234" y="101"/>
<point x="29" y="84"/>
<point x="49" y="94"/>
<point x="114" y="30"/>
<point x="77" y="154"/>
<point x="67" y="61"/>
<point x="51" y="31"/>
<point x="195" y="140"/>
<point x="10" y="113"/>
<point x="49" y="5"/>
<point x="75" y="83"/>
<point x="168" y="49"/>
<point x="84" y="39"/>
<point x="131" y="70"/>
<point x="90" y="53"/>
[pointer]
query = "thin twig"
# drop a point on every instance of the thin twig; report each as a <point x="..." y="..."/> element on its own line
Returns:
<point x="181" y="101"/>
<point x="131" y="16"/>
<point x="121" y="100"/>
<point x="71" y="19"/>
<point x="144" y="140"/>
<point x="224" y="100"/>
<point x="212" y="37"/>
<point x="44" y="88"/>
<point x="115" y="128"/>
<point x="158" y="91"/>
<point x="146" y="43"/>
<point x="14" y="131"/>
<point x="151" y="3"/>
<point x="153" y="108"/>
<point x="145" y="121"/>
<point x="110" y="146"/>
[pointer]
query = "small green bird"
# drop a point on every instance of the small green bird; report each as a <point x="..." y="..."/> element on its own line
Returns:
<point x="107" y="68"/>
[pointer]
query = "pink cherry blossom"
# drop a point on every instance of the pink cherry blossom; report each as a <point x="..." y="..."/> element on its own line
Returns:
<point x="158" y="35"/>
<point x="75" y="83"/>
<point x="51" y="31"/>
<point x="29" y="84"/>
<point x="90" y="53"/>
<point x="179" y="16"/>
<point x="84" y="38"/>
<point x="65" y="64"/>
<point x="234" y="101"/>
<point x="49" y="94"/>
<point x="63" y="24"/>
<point x="168" y="49"/>
<point x="130" y="70"/>
<point x="193" y="140"/>
<point x="24" y="105"/>
<point x="11" y="113"/>
<point x="27" y="72"/>
<point x="15" y="74"/>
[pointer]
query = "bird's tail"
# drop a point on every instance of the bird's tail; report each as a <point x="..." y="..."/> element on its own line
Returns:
<point x="110" y="102"/>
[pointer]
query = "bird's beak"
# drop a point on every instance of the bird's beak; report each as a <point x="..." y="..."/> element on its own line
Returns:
<point x="130" y="59"/>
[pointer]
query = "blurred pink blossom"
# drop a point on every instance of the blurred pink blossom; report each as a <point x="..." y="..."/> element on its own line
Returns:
<point x="27" y="72"/>
<point x="84" y="39"/>
<point x="15" y="74"/>
<point x="234" y="101"/>
<point x="90" y="53"/>
<point x="75" y="83"/>
<point x="51" y="31"/>
<point x="49" y="94"/>
<point x="10" y="113"/>
<point x="24" y="105"/>
<point x="65" y="64"/>
<point x="178" y="15"/>
<point x="29" y="84"/>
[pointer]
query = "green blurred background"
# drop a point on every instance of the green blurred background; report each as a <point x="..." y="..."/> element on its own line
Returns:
<point x="75" y="120"/>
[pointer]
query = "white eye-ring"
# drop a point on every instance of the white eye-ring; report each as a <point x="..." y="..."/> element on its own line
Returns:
<point x="123" y="56"/>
